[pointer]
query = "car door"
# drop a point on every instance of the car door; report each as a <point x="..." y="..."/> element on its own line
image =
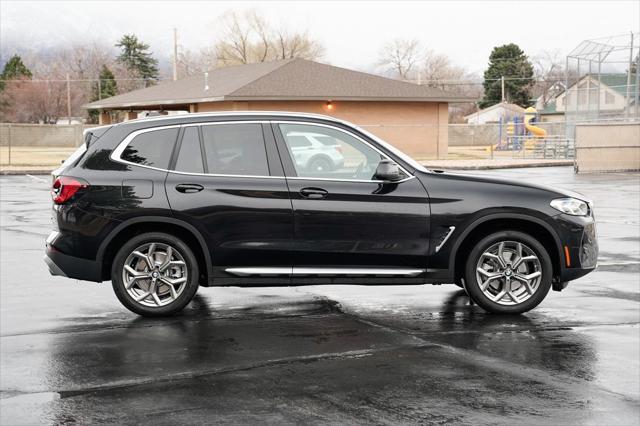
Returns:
<point x="228" y="182"/>
<point x="346" y="221"/>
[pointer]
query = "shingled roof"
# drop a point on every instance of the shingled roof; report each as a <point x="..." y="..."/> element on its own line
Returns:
<point x="285" y="80"/>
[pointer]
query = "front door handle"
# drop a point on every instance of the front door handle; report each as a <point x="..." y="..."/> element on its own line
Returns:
<point x="313" y="193"/>
<point x="189" y="188"/>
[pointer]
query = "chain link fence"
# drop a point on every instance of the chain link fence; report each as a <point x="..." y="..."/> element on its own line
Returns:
<point x="47" y="145"/>
<point x="38" y="145"/>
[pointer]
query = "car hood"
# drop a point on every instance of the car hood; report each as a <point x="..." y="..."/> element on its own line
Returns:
<point x="553" y="191"/>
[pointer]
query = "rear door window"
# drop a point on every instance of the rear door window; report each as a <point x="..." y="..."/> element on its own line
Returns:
<point x="235" y="149"/>
<point x="190" y="155"/>
<point x="152" y="148"/>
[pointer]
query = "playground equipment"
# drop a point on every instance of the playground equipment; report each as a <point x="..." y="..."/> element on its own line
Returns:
<point x="519" y="131"/>
<point x="526" y="140"/>
<point x="530" y="115"/>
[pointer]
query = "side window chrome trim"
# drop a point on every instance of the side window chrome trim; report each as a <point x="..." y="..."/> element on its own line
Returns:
<point x="117" y="152"/>
<point x="220" y="175"/>
<point x="310" y="123"/>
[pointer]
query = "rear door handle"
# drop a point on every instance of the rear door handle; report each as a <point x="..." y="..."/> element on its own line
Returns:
<point x="189" y="188"/>
<point x="313" y="193"/>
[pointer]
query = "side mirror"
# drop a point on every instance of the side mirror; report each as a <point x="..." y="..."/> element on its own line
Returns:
<point x="388" y="170"/>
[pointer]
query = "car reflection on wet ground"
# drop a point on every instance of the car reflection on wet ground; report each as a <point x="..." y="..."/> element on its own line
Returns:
<point x="322" y="354"/>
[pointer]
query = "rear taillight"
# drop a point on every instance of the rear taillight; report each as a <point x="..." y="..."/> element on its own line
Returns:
<point x="65" y="187"/>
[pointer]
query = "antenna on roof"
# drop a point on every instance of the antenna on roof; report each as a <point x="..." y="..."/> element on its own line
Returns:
<point x="206" y="81"/>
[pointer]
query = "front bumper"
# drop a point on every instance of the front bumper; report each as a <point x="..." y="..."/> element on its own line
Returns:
<point x="61" y="264"/>
<point x="579" y="238"/>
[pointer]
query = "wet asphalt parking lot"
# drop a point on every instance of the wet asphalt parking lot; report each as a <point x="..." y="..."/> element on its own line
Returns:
<point x="70" y="354"/>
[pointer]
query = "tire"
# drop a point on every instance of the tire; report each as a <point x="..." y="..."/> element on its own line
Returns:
<point x="320" y="165"/>
<point x="497" y="277"/>
<point x="181" y="271"/>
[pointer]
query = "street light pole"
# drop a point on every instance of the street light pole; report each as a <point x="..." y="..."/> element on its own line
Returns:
<point x="175" y="54"/>
<point x="69" y="98"/>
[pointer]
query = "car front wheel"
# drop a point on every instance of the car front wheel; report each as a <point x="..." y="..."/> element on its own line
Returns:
<point x="508" y="272"/>
<point x="155" y="274"/>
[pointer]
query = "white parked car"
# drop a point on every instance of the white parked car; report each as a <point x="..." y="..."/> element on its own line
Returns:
<point x="315" y="152"/>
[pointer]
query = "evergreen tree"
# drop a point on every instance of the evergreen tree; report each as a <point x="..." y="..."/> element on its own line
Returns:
<point x="511" y="62"/>
<point x="136" y="57"/>
<point x="106" y="88"/>
<point x="14" y="69"/>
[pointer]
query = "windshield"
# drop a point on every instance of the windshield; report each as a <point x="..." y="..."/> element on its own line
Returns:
<point x="404" y="157"/>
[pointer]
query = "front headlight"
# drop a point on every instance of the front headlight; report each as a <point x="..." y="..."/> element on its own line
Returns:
<point x="571" y="206"/>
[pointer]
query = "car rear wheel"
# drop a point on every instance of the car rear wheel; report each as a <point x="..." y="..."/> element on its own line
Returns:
<point x="155" y="274"/>
<point x="508" y="272"/>
<point x="320" y="165"/>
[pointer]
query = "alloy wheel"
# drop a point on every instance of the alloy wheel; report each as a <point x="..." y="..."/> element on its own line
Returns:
<point x="155" y="274"/>
<point x="509" y="272"/>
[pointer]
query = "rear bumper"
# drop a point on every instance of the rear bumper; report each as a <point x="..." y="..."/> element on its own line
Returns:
<point x="64" y="265"/>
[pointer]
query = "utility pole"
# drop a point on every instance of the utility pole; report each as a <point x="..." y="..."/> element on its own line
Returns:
<point x="627" y="107"/>
<point x="68" y="98"/>
<point x="175" y="54"/>
<point x="502" y="81"/>
<point x="637" y="92"/>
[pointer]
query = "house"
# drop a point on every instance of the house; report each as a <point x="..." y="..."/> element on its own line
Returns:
<point x="414" y="118"/>
<point x="500" y="112"/>
<point x="549" y="113"/>
<point x="604" y="93"/>
<point x="549" y="95"/>
<point x="546" y="103"/>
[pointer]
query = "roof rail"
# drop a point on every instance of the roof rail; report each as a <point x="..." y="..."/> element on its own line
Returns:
<point x="237" y="113"/>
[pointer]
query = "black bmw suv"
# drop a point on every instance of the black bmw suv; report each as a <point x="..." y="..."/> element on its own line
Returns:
<point x="164" y="205"/>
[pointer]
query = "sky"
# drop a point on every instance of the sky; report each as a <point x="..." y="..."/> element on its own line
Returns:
<point x="352" y="32"/>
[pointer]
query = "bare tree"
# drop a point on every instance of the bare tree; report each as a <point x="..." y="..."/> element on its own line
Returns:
<point x="234" y="46"/>
<point x="263" y="33"/>
<point x="437" y="70"/>
<point x="400" y="57"/>
<point x="44" y="97"/>
<point x="409" y="60"/>
<point x="191" y="62"/>
<point x="34" y="101"/>
<point x="85" y="61"/>
<point x="248" y="37"/>
<point x="296" y="45"/>
<point x="549" y="74"/>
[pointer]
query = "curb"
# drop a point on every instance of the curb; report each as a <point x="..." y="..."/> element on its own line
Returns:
<point x="25" y="172"/>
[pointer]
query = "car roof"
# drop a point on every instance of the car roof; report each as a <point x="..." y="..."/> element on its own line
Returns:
<point x="298" y="133"/>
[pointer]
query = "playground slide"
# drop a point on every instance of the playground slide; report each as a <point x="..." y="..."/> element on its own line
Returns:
<point x="530" y="114"/>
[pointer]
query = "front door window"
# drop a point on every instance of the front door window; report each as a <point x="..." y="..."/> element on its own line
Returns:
<point x="329" y="153"/>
